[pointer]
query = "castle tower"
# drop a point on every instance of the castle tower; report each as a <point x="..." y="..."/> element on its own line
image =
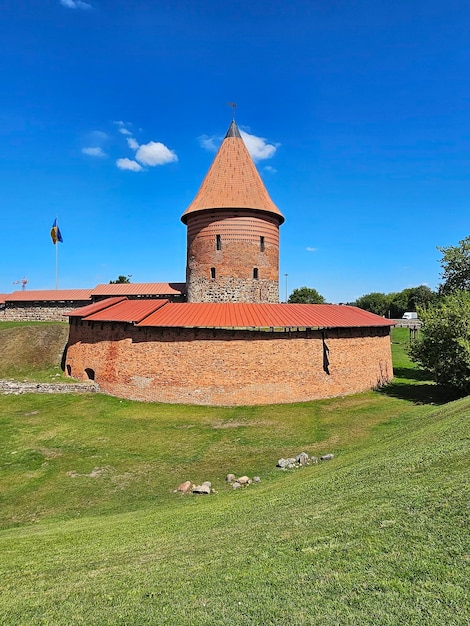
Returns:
<point x="233" y="231"/>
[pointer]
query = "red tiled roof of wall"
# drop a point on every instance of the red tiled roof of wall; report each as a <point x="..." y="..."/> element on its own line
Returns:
<point x="89" y="309"/>
<point x="224" y="315"/>
<point x="227" y="315"/>
<point x="139" y="289"/>
<point x="49" y="295"/>
<point x="132" y="311"/>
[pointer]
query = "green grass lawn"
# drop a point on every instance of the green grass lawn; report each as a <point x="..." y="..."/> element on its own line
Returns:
<point x="92" y="532"/>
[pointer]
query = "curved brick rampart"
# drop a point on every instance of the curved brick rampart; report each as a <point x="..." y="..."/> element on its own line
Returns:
<point x="224" y="367"/>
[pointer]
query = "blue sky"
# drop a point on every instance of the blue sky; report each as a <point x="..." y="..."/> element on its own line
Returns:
<point x="356" y="112"/>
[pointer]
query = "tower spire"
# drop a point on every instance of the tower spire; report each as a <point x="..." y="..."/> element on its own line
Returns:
<point x="234" y="106"/>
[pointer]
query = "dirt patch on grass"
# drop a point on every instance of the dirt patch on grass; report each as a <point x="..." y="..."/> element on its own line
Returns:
<point x="237" y="424"/>
<point x="50" y="453"/>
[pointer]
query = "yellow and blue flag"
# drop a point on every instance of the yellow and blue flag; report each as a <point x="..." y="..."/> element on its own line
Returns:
<point x="55" y="232"/>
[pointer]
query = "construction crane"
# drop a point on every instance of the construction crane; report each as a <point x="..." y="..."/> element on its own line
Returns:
<point x="23" y="282"/>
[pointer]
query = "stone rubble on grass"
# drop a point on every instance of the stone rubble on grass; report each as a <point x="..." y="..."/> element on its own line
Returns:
<point x="243" y="481"/>
<point x="185" y="487"/>
<point x="205" y="488"/>
<point x="301" y="460"/>
<point x="16" y="388"/>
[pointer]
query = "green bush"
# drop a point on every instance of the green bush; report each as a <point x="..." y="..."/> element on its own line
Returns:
<point x="444" y="344"/>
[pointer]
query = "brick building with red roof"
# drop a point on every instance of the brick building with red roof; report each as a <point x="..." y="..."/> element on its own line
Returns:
<point x="231" y="343"/>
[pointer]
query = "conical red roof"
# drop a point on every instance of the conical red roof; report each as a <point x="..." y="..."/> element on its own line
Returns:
<point x="232" y="181"/>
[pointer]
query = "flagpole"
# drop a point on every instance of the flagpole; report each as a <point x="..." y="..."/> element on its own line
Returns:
<point x="56" y="265"/>
<point x="56" y="238"/>
<point x="57" y="257"/>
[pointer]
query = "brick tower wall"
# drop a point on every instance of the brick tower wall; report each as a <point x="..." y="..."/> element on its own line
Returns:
<point x="232" y="256"/>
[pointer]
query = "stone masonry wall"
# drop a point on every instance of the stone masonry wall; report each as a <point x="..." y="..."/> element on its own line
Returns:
<point x="229" y="289"/>
<point x="20" y="312"/>
<point x="219" y="367"/>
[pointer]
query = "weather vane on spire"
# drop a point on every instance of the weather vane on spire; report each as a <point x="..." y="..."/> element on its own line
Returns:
<point x="234" y="106"/>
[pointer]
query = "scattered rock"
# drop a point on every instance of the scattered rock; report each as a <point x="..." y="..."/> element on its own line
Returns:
<point x="243" y="480"/>
<point x="185" y="487"/>
<point x="205" y="488"/>
<point x="302" y="458"/>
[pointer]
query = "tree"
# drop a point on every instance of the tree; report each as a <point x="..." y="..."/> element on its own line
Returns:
<point x="306" y="295"/>
<point x="375" y="302"/>
<point x="443" y="347"/>
<point x="456" y="265"/>
<point x="398" y="304"/>
<point x="411" y="299"/>
<point x="120" y="279"/>
<point x="421" y="297"/>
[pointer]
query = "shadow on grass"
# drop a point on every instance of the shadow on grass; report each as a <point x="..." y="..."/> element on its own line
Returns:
<point x="410" y="373"/>
<point x="418" y="392"/>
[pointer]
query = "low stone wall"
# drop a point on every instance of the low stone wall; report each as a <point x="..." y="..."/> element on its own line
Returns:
<point x="14" y="387"/>
<point x="31" y="312"/>
<point x="223" y="367"/>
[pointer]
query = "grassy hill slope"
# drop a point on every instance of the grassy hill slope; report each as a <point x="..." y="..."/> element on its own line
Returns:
<point x="92" y="532"/>
<point x="377" y="536"/>
<point x="32" y="351"/>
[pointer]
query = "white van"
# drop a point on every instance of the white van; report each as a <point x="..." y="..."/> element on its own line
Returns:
<point x="410" y="315"/>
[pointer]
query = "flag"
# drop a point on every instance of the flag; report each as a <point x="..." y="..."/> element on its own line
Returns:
<point x="55" y="233"/>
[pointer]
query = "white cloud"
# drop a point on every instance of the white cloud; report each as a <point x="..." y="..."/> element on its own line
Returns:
<point x="75" y="4"/>
<point x="122" y="127"/>
<point x="132" y="143"/>
<point x="94" y="151"/>
<point x="257" y="146"/>
<point x="148" y="154"/>
<point x="309" y="249"/>
<point x="155" y="153"/>
<point x="129" y="164"/>
<point x="270" y="169"/>
<point x="210" y="143"/>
